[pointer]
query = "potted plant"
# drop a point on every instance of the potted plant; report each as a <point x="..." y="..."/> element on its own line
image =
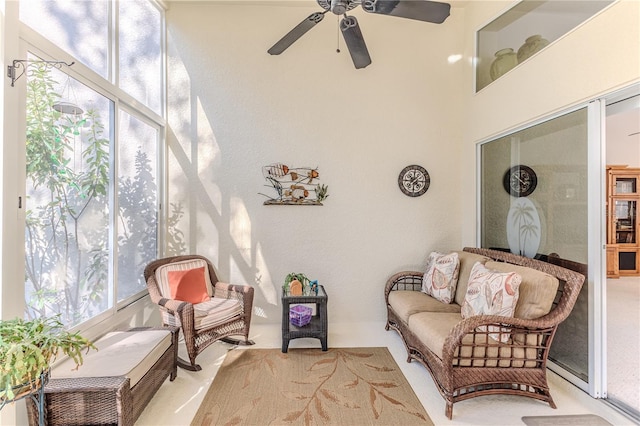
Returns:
<point x="295" y="281"/>
<point x="27" y="350"/>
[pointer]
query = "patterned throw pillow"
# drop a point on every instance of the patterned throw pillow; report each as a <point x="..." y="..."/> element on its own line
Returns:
<point x="491" y="293"/>
<point x="441" y="277"/>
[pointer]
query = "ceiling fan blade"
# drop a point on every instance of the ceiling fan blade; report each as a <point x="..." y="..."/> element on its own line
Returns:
<point x="421" y="10"/>
<point x="297" y="32"/>
<point x="355" y="42"/>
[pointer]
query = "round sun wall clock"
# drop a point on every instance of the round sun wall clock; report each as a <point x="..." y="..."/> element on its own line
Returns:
<point x="414" y="180"/>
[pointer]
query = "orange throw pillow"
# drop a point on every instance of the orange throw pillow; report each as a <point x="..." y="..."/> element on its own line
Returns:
<point x="188" y="286"/>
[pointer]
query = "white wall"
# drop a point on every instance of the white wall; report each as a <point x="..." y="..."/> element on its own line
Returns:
<point x="597" y="58"/>
<point x="234" y="108"/>
<point x="622" y="124"/>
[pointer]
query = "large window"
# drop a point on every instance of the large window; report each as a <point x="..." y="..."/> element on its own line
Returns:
<point x="68" y="192"/>
<point x="93" y="143"/>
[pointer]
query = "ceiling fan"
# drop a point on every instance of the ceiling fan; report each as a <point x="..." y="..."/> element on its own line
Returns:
<point x="421" y="10"/>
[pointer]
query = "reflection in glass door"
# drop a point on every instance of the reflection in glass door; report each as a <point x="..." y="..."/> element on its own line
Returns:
<point x="555" y="225"/>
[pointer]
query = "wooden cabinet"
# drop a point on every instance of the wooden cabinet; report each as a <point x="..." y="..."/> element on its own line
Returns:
<point x="623" y="223"/>
<point x="613" y="270"/>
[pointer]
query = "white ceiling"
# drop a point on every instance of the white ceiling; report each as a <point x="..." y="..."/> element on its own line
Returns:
<point x="623" y="121"/>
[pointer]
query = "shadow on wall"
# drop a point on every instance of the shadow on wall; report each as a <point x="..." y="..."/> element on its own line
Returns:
<point x="185" y="220"/>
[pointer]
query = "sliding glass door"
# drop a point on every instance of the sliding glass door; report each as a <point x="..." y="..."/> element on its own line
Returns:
<point x="537" y="198"/>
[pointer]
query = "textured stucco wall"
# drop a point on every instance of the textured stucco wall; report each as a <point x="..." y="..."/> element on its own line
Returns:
<point x="233" y="108"/>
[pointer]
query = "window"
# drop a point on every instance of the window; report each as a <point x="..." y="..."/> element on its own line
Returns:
<point x="79" y="27"/>
<point x="138" y="60"/>
<point x="93" y="150"/>
<point x="137" y="222"/>
<point x="67" y="207"/>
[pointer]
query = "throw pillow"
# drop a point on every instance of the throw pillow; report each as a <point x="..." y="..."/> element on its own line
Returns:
<point x="441" y="277"/>
<point x="491" y="293"/>
<point x="188" y="285"/>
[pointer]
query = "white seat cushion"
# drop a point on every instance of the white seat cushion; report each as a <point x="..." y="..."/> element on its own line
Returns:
<point x="120" y="353"/>
<point x="215" y="311"/>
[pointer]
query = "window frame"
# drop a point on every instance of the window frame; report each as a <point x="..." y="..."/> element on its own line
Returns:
<point x="30" y="41"/>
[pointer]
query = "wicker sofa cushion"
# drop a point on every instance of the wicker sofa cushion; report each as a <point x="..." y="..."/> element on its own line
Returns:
<point x="467" y="260"/>
<point x="432" y="329"/>
<point x="162" y="276"/>
<point x="120" y="353"/>
<point x="536" y="293"/>
<point x="406" y="303"/>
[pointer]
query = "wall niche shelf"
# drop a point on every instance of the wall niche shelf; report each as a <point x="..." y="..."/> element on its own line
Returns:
<point x="549" y="19"/>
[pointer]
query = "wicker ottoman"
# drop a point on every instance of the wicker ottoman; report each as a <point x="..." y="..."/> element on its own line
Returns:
<point x="115" y="383"/>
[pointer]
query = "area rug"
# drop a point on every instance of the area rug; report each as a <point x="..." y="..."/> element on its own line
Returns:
<point x="576" y="419"/>
<point x="343" y="386"/>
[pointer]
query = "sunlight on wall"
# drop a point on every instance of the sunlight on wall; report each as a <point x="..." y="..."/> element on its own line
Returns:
<point x="240" y="228"/>
<point x="209" y="149"/>
<point x="452" y="59"/>
<point x="263" y="278"/>
<point x="240" y="232"/>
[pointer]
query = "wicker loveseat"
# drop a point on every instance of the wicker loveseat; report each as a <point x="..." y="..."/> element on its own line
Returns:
<point x="465" y="356"/>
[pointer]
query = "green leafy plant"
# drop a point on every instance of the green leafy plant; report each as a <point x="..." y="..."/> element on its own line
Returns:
<point x="68" y="214"/>
<point x="29" y="347"/>
<point x="295" y="276"/>
<point x="322" y="192"/>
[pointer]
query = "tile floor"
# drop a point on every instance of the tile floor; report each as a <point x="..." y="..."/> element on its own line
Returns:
<point x="176" y="402"/>
<point x="623" y="341"/>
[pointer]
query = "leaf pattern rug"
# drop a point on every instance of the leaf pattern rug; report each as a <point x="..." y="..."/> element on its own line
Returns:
<point x="343" y="386"/>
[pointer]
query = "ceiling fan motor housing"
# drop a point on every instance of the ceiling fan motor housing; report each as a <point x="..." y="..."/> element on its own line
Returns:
<point x="338" y="7"/>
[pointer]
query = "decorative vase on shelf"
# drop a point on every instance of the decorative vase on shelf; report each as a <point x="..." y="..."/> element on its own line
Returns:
<point x="504" y="61"/>
<point x="531" y="45"/>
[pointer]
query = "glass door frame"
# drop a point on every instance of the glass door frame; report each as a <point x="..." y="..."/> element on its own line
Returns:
<point x="596" y="239"/>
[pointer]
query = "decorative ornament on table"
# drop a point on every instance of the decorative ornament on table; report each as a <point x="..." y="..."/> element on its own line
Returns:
<point x="531" y="45"/>
<point x="295" y="283"/>
<point x="505" y="60"/>
<point x="295" y="288"/>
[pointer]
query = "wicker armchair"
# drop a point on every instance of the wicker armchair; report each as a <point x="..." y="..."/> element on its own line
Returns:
<point x="470" y="363"/>
<point x="227" y="313"/>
